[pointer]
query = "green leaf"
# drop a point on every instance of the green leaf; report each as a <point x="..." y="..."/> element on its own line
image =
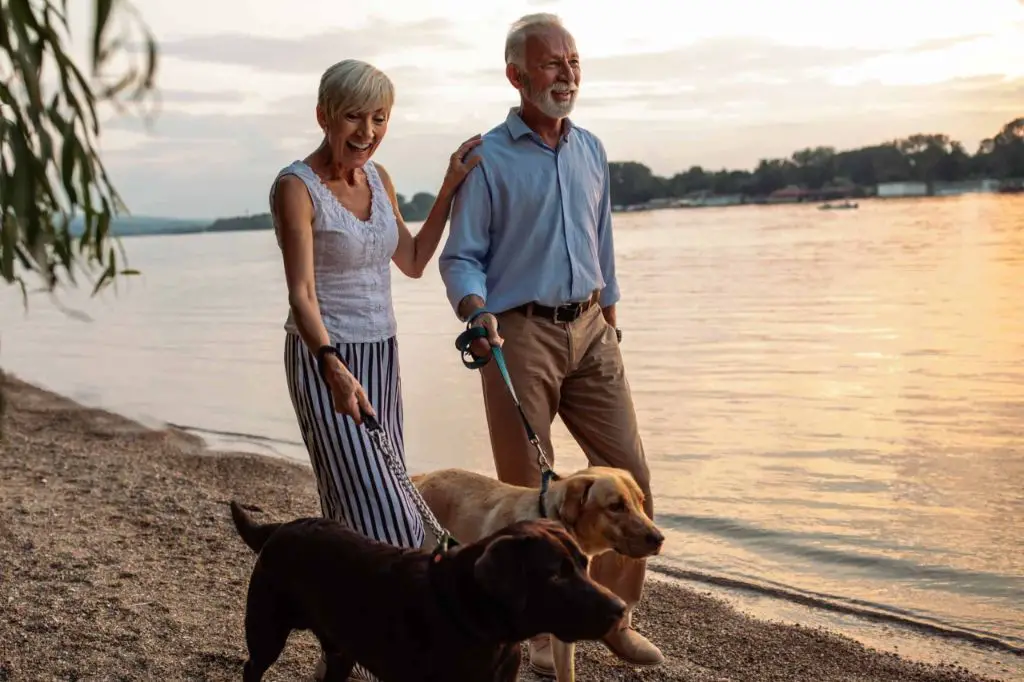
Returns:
<point x="67" y="161"/>
<point x="8" y="243"/>
<point x="50" y="170"/>
<point x="103" y="8"/>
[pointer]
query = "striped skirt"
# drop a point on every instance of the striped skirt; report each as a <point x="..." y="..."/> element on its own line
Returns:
<point x="353" y="479"/>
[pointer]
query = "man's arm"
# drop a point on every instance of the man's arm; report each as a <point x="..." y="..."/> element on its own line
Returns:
<point x="463" y="260"/>
<point x="606" y="247"/>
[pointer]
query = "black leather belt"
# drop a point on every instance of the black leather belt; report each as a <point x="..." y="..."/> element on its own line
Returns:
<point x="567" y="312"/>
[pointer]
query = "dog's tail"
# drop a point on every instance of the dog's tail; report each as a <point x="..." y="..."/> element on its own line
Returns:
<point x="253" y="534"/>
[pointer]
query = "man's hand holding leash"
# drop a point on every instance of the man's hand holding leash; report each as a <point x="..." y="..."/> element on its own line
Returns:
<point x="478" y="316"/>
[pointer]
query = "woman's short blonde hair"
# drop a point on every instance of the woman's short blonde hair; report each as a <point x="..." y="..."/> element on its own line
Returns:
<point x="353" y="86"/>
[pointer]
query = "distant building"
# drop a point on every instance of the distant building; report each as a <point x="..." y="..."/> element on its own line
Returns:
<point x="788" y="195"/>
<point x="902" y="189"/>
<point x="720" y="200"/>
<point x="1012" y="185"/>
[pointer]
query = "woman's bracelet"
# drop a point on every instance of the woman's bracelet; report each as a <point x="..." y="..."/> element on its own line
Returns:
<point x="321" y="355"/>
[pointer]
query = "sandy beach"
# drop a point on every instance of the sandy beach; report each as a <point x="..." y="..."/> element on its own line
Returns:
<point x="118" y="560"/>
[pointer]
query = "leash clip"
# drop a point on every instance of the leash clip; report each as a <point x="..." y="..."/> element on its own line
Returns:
<point x="542" y="460"/>
<point x="444" y="544"/>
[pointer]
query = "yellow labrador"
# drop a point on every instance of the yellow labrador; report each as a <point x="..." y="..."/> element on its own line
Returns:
<point x="602" y="507"/>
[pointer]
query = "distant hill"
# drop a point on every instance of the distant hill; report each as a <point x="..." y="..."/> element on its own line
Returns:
<point x="137" y="226"/>
<point x="131" y="225"/>
<point x="260" y="221"/>
<point x="414" y="210"/>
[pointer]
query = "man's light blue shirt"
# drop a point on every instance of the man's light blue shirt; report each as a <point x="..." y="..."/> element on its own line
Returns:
<point x="531" y="223"/>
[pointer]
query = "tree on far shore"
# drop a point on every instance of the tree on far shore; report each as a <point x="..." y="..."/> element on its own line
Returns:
<point x="925" y="158"/>
<point x="50" y="171"/>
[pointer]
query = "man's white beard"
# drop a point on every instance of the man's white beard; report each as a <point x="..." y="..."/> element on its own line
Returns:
<point x="549" y="106"/>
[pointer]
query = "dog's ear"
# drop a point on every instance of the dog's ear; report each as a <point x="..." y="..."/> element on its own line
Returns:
<point x="496" y="560"/>
<point x="499" y="569"/>
<point x="574" y="498"/>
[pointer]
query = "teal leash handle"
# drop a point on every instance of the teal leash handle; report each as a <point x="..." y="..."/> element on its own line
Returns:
<point x="464" y="344"/>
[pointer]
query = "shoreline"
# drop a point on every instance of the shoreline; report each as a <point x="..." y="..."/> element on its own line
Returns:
<point x="118" y="559"/>
<point x="253" y="223"/>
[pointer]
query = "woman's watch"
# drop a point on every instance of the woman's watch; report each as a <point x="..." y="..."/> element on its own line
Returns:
<point x="618" y="334"/>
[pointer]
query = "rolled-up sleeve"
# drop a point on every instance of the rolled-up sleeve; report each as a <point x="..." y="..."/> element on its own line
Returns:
<point x="605" y="243"/>
<point x="463" y="260"/>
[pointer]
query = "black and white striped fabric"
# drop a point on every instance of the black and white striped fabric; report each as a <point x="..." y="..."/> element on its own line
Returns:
<point x="355" y="484"/>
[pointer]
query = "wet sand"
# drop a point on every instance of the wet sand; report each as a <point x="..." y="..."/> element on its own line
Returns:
<point x="118" y="560"/>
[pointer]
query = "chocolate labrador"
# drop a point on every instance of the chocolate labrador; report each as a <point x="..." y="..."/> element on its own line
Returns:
<point x="407" y="615"/>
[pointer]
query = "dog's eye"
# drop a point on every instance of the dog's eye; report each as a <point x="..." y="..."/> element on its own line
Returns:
<point x="618" y="506"/>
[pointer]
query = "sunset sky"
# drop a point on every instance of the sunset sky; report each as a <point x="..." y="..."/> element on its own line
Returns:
<point x="663" y="83"/>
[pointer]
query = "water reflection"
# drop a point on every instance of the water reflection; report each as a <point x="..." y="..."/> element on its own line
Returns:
<point x="831" y="401"/>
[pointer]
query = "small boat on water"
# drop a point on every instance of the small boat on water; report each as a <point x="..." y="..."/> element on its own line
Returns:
<point x="836" y="207"/>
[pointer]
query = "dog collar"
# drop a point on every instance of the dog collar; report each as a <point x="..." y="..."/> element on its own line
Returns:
<point x="545" y="482"/>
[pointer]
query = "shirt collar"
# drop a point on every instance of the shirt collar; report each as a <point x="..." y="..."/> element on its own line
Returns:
<point x="517" y="128"/>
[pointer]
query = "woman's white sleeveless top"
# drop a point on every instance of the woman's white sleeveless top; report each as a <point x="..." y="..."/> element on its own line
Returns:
<point x="351" y="260"/>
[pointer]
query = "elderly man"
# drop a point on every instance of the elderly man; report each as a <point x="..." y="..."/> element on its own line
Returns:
<point x="531" y="247"/>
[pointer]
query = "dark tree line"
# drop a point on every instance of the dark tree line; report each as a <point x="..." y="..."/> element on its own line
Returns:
<point x="417" y="208"/>
<point x="925" y="158"/>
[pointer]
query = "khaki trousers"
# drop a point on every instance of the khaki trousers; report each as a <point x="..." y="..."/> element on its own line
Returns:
<point x="574" y="370"/>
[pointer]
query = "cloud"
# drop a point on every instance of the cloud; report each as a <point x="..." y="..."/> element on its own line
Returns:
<point x="178" y="96"/>
<point x="814" y="97"/>
<point x="945" y="43"/>
<point x="773" y="122"/>
<point x="209" y="165"/>
<point x="313" y="53"/>
<point x="718" y="103"/>
<point x="721" y="60"/>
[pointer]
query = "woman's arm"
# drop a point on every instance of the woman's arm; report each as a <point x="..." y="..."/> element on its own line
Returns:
<point x="413" y="253"/>
<point x="293" y="218"/>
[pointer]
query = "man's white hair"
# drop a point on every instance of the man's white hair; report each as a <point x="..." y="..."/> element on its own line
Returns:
<point x="523" y="28"/>
<point x="353" y="86"/>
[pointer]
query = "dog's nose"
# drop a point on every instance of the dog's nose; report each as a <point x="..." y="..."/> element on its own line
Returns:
<point x="655" y="538"/>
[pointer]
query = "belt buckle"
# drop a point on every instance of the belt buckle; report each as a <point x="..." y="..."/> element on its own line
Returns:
<point x="568" y="312"/>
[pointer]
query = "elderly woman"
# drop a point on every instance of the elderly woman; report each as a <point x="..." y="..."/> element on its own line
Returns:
<point x="338" y="226"/>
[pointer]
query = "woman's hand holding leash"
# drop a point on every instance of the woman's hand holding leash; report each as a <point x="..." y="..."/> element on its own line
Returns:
<point x="346" y="393"/>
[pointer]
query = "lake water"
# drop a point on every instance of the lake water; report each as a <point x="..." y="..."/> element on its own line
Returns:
<point x="832" y="402"/>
